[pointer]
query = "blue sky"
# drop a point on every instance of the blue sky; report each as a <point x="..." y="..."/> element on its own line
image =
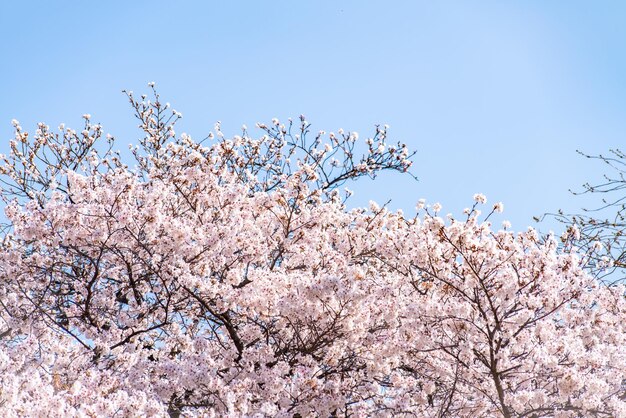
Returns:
<point x="495" y="96"/>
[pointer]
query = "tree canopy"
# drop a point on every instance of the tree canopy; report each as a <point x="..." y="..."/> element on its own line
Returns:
<point x="227" y="277"/>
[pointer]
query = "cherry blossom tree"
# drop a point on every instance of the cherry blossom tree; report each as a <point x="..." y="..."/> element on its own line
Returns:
<point x="230" y="279"/>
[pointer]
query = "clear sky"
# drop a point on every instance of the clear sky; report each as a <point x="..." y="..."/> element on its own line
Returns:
<point x="495" y="96"/>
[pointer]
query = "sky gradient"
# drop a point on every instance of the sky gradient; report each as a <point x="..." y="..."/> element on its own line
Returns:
<point x="496" y="97"/>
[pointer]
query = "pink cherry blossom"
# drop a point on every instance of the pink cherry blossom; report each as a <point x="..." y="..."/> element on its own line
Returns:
<point x="229" y="279"/>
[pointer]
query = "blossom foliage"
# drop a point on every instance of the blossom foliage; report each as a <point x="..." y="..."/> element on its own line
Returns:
<point x="230" y="279"/>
